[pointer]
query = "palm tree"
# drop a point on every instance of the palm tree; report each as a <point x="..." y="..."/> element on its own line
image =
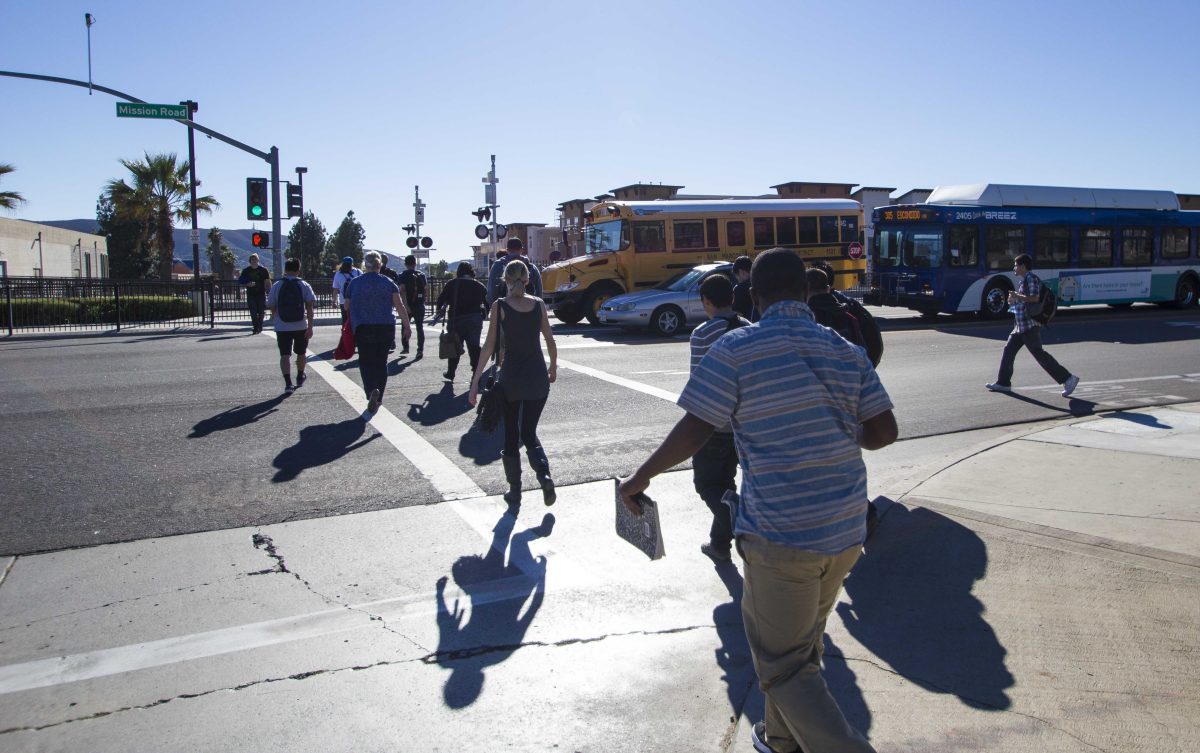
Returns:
<point x="158" y="196"/>
<point x="9" y="199"/>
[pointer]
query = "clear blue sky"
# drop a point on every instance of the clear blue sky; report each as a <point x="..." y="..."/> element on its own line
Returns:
<point x="576" y="99"/>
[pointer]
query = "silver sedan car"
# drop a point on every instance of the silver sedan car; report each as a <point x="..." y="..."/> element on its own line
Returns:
<point x="667" y="309"/>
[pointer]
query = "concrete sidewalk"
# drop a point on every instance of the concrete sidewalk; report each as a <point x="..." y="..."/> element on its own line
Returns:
<point x="1030" y="588"/>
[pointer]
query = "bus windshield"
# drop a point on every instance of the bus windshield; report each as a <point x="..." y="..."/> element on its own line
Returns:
<point x="602" y="237"/>
<point x="918" y="246"/>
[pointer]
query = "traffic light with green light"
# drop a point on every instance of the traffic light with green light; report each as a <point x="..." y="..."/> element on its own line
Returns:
<point x="256" y="198"/>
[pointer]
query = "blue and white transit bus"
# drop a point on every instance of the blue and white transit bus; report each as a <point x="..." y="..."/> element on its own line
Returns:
<point x="954" y="253"/>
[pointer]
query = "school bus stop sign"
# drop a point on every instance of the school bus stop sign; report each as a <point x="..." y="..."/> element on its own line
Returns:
<point x="855" y="250"/>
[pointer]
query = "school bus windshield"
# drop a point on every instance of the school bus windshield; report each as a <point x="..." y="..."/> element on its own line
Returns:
<point x="602" y="237"/>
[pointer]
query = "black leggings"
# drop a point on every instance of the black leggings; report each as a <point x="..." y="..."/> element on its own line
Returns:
<point x="520" y="425"/>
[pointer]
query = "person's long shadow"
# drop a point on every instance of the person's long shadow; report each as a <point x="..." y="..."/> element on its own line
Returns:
<point x="1076" y="407"/>
<point x="910" y="604"/>
<point x="439" y="406"/>
<point x="234" y="418"/>
<point x="497" y="592"/>
<point x="482" y="447"/>
<point x="733" y="655"/>
<point x="318" y="445"/>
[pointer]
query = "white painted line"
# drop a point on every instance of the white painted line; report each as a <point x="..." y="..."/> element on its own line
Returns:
<point x="621" y="381"/>
<point x="1131" y="380"/>
<point x="449" y="480"/>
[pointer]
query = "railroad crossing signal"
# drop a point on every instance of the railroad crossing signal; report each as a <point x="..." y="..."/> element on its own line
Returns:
<point x="256" y="198"/>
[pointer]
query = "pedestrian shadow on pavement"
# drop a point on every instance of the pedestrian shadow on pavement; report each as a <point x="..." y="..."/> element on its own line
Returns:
<point x="480" y="446"/>
<point x="733" y="654"/>
<point x="318" y="445"/>
<point x="911" y="606"/>
<point x="439" y="406"/>
<point x="503" y="600"/>
<point x="397" y="367"/>
<point x="1076" y="407"/>
<point x="235" y="418"/>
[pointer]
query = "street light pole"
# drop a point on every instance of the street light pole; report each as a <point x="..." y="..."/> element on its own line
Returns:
<point x="192" y="108"/>
<point x="489" y="198"/>
<point x="300" y="171"/>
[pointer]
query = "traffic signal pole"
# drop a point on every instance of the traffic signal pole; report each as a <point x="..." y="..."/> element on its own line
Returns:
<point x="276" y="216"/>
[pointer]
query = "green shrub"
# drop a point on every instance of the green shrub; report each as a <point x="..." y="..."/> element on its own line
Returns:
<point x="51" y="312"/>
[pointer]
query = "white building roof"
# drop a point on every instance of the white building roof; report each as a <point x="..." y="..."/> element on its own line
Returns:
<point x="1005" y="195"/>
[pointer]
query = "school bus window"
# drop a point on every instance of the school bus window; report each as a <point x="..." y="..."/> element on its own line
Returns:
<point x="1175" y="242"/>
<point x="1052" y="245"/>
<point x="829" y="229"/>
<point x="808" y="230"/>
<point x="1004" y="243"/>
<point x="849" y="229"/>
<point x="710" y="230"/>
<point x="785" y="231"/>
<point x="1137" y="246"/>
<point x="735" y="232"/>
<point x="1095" y="247"/>
<point x="649" y="236"/>
<point x="964" y="245"/>
<point x="764" y="232"/>
<point x="689" y="235"/>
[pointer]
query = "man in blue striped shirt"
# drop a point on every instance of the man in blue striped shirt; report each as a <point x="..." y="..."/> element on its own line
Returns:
<point x="803" y="404"/>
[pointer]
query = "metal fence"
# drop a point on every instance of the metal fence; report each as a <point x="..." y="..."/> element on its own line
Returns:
<point x="54" y="304"/>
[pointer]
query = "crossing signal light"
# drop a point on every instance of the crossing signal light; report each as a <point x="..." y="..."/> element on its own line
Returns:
<point x="483" y="214"/>
<point x="256" y="198"/>
<point x="295" y="200"/>
<point x="260" y="239"/>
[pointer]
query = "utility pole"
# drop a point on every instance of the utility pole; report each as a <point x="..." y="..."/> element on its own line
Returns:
<point x="489" y="199"/>
<point x="419" y="214"/>
<point x="192" y="108"/>
<point x="300" y="171"/>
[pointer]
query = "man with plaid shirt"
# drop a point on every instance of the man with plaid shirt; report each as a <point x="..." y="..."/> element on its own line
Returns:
<point x="1027" y="332"/>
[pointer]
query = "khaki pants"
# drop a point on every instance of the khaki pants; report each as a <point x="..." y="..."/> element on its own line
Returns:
<point x="787" y="596"/>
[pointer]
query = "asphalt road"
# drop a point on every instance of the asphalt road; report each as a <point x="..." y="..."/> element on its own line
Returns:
<point x="123" y="437"/>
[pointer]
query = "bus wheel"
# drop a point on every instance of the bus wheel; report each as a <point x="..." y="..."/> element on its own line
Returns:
<point x="1185" y="292"/>
<point x="595" y="298"/>
<point x="568" y="314"/>
<point x="667" y="321"/>
<point x="995" y="299"/>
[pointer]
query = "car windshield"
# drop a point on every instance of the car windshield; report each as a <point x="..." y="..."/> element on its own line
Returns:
<point x="667" y="283"/>
<point x="602" y="237"/>
<point x="686" y="281"/>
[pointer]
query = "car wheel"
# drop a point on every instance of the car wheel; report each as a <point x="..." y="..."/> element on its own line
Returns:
<point x="667" y="321"/>
<point x="995" y="299"/>
<point x="568" y="314"/>
<point x="595" y="298"/>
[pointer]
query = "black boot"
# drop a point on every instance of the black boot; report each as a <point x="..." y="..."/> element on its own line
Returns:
<point x="512" y="473"/>
<point x="541" y="468"/>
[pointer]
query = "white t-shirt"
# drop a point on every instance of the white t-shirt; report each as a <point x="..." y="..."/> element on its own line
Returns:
<point x="340" y="279"/>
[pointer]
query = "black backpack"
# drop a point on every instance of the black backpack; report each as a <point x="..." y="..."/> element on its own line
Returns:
<point x="836" y="315"/>
<point x="291" y="301"/>
<point x="1045" y="308"/>
<point x="414" y="287"/>
<point x="868" y="328"/>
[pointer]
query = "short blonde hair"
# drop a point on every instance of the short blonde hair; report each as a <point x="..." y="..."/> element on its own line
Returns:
<point x="372" y="261"/>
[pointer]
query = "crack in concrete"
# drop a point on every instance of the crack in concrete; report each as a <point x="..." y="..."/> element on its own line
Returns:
<point x="930" y="685"/>
<point x="119" y="602"/>
<point x="437" y="657"/>
<point x="188" y="696"/>
<point x="267" y="544"/>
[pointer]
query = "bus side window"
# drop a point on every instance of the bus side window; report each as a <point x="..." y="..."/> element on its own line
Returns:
<point x="735" y="233"/>
<point x="689" y="235"/>
<point x="785" y="231"/>
<point x="808" y="230"/>
<point x="764" y="232"/>
<point x="829" y="230"/>
<point x="710" y="231"/>
<point x="964" y="246"/>
<point x="649" y="236"/>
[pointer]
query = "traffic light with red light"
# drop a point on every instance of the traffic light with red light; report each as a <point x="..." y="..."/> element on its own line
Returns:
<point x="260" y="239"/>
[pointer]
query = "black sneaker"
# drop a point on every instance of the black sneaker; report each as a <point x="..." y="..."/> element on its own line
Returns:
<point x="300" y="379"/>
<point x="373" y="401"/>
<point x="715" y="554"/>
<point x="288" y="389"/>
<point x="448" y="375"/>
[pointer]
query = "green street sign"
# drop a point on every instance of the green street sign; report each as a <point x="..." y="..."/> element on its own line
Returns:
<point x="135" y="110"/>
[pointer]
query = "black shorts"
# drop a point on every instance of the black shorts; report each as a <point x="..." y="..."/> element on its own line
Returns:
<point x="293" y="341"/>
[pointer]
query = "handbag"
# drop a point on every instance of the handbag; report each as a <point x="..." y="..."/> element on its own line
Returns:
<point x="490" y="407"/>
<point x="450" y="345"/>
<point x="345" y="346"/>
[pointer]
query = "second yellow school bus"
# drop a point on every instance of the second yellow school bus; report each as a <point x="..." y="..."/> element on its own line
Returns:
<point x="635" y="245"/>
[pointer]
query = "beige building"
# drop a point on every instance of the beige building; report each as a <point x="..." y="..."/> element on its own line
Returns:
<point x="28" y="249"/>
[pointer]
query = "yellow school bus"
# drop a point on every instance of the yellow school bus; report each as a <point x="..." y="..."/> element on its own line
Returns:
<point x="635" y="245"/>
